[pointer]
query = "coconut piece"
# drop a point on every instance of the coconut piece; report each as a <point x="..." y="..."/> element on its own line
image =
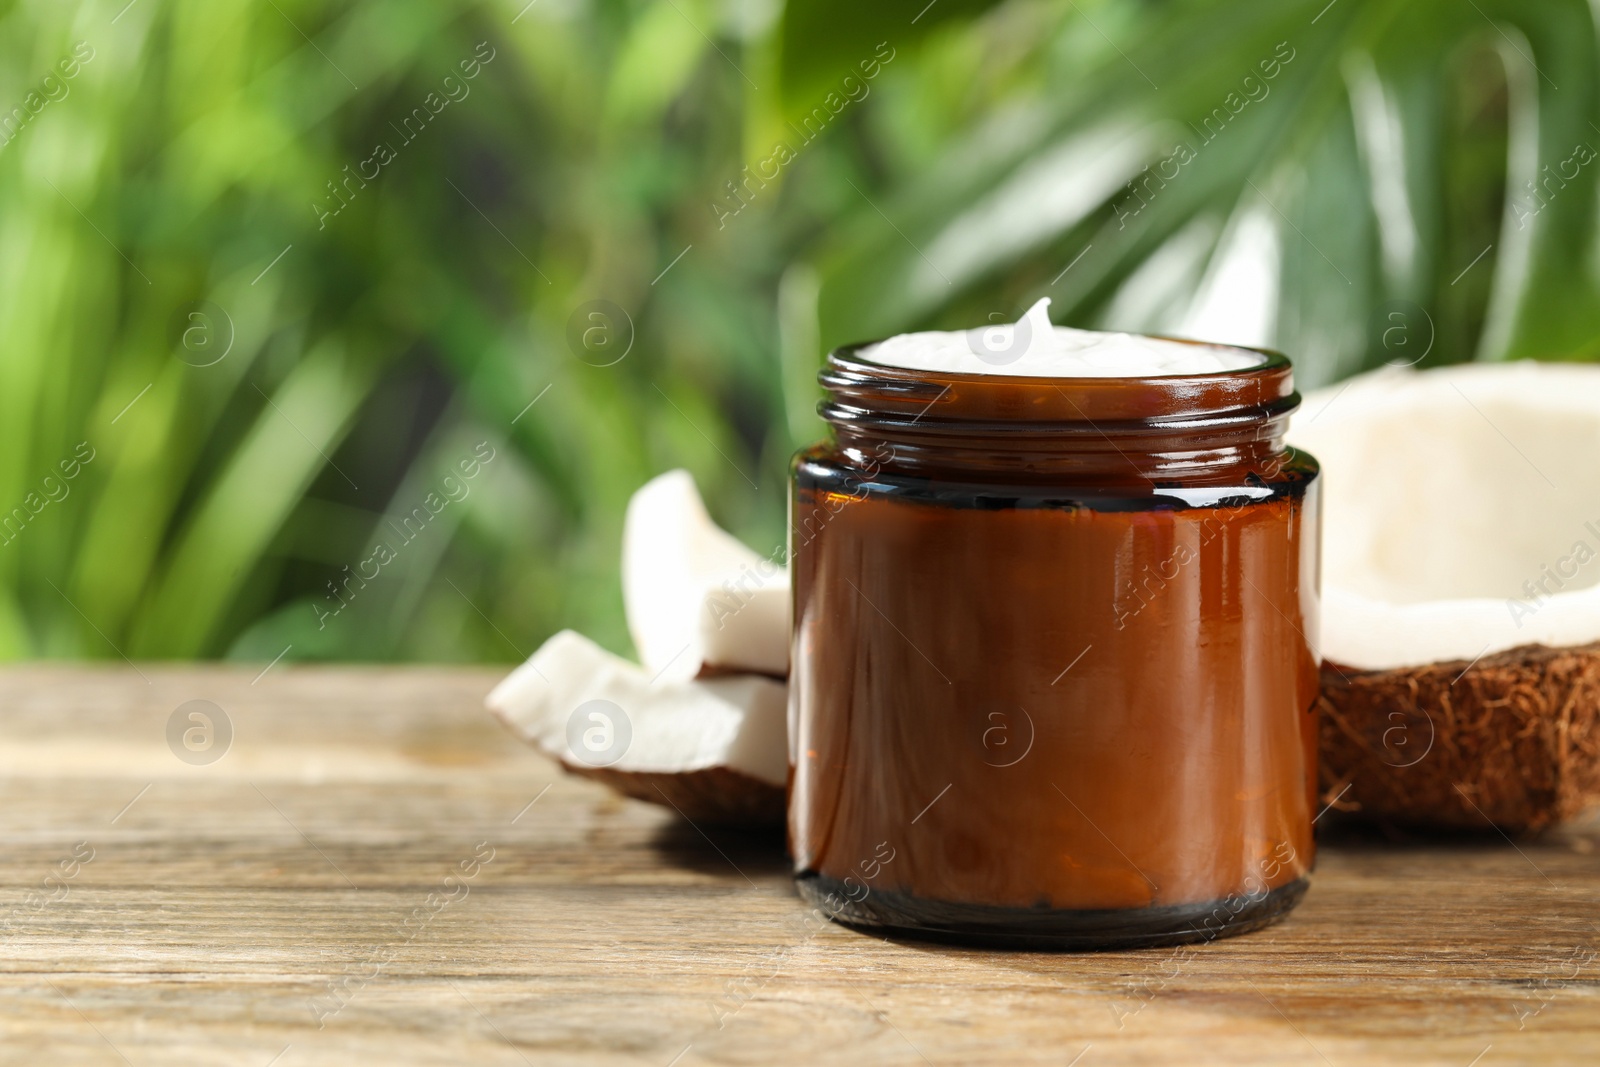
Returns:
<point x="697" y="599"/>
<point x="715" y="750"/>
<point x="1460" y="625"/>
<point x="1512" y="740"/>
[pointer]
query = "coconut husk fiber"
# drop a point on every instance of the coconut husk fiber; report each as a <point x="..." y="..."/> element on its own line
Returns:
<point x="719" y="795"/>
<point x="1511" y="740"/>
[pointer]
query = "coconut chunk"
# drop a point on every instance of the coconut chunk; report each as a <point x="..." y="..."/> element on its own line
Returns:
<point x="1460" y="619"/>
<point x="1511" y="741"/>
<point x="713" y="749"/>
<point x="696" y="598"/>
<point x="1461" y="511"/>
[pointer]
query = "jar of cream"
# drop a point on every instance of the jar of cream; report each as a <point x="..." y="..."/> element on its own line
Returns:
<point x="1054" y="658"/>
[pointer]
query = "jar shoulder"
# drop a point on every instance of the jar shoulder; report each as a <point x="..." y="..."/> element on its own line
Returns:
<point x="825" y="467"/>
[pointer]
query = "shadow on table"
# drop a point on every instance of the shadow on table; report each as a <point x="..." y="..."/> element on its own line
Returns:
<point x="755" y="852"/>
<point x="1351" y="831"/>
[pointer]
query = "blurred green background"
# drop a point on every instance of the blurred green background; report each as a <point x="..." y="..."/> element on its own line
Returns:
<point x="272" y="272"/>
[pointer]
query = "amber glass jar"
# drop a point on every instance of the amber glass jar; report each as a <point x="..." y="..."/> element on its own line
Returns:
<point x="1054" y="664"/>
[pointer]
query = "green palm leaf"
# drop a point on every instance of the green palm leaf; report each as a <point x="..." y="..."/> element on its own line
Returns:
<point x="1326" y="141"/>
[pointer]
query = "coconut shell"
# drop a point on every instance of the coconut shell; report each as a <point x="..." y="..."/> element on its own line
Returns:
<point x="719" y="795"/>
<point x="1511" y="740"/>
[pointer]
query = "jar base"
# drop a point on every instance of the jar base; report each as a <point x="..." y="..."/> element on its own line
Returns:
<point x="892" y="914"/>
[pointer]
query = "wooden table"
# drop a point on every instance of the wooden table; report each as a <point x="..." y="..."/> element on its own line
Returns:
<point x="376" y="873"/>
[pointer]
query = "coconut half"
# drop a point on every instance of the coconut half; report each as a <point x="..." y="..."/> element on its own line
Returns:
<point x="714" y="750"/>
<point x="697" y="599"/>
<point x="1461" y="591"/>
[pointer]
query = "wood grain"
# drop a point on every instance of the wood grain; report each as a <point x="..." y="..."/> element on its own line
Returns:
<point x="221" y="907"/>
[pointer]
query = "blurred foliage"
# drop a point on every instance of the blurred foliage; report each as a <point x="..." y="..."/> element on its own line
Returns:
<point x="268" y="351"/>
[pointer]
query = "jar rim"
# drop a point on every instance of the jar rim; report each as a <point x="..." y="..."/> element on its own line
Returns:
<point x="859" y="389"/>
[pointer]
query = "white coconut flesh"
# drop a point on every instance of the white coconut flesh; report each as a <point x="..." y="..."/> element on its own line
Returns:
<point x="587" y="707"/>
<point x="695" y="596"/>
<point x="1461" y="511"/>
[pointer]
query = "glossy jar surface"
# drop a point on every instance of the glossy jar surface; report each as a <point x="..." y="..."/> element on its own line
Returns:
<point x="1054" y="658"/>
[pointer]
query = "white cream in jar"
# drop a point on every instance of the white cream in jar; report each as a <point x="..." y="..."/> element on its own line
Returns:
<point x="1033" y="347"/>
